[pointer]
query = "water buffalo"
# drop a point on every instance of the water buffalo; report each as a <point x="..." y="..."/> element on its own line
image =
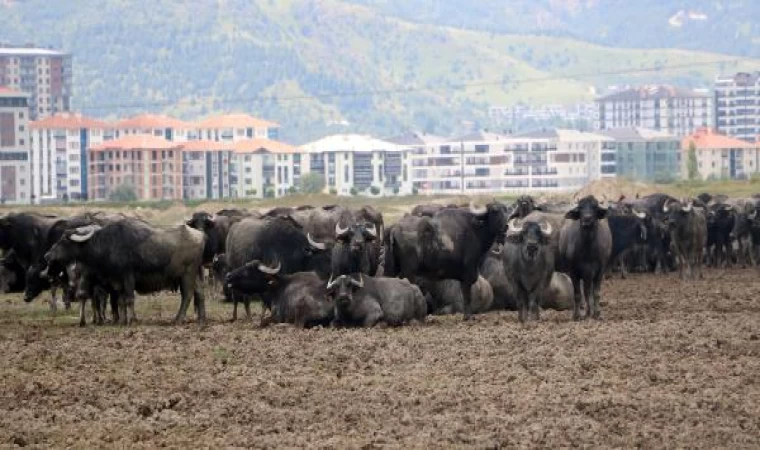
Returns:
<point x="299" y="298"/>
<point x="585" y="245"/>
<point x="445" y="296"/>
<point x="745" y="214"/>
<point x="133" y="256"/>
<point x="628" y="232"/>
<point x="720" y="223"/>
<point x="688" y="231"/>
<point x="12" y="274"/>
<point x="528" y="264"/>
<point x="365" y="301"/>
<point x="358" y="242"/>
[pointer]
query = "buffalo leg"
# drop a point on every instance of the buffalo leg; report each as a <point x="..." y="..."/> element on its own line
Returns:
<point x="467" y="297"/>
<point x="234" y="307"/>
<point x="199" y="302"/>
<point x="247" y="306"/>
<point x="115" y="307"/>
<point x="588" y="295"/>
<point x="54" y="299"/>
<point x="82" y="312"/>
<point x="533" y="305"/>
<point x="596" y="291"/>
<point x="577" y="299"/>
<point x="522" y="306"/>
<point x="186" y="288"/>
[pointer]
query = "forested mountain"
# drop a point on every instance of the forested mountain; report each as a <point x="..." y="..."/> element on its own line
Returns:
<point x="377" y="66"/>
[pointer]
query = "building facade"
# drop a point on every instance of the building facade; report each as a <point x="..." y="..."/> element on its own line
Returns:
<point x="46" y="75"/>
<point x="151" y="165"/>
<point x="720" y="156"/>
<point x="166" y="127"/>
<point x="206" y="170"/>
<point x="644" y="155"/>
<point x="59" y="155"/>
<point x="359" y="164"/>
<point x="14" y="144"/>
<point x="737" y="105"/>
<point x="674" y="110"/>
<point x="262" y="168"/>
<point x="236" y="127"/>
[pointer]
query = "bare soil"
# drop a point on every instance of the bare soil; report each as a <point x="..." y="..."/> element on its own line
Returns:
<point x="673" y="364"/>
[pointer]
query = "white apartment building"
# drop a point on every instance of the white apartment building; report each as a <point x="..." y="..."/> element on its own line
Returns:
<point x="367" y="165"/>
<point x="14" y="142"/>
<point x="169" y="128"/>
<point x="674" y="110"/>
<point x="737" y="105"/>
<point x="236" y="127"/>
<point x="59" y="163"/>
<point x="483" y="162"/>
<point x="206" y="170"/>
<point x="262" y="168"/>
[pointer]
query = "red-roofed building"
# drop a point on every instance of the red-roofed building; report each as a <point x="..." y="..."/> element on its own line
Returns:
<point x="720" y="156"/>
<point x="236" y="127"/>
<point x="163" y="126"/>
<point x="206" y="169"/>
<point x="59" y="145"/>
<point x="264" y="168"/>
<point x="14" y="142"/>
<point x="151" y="165"/>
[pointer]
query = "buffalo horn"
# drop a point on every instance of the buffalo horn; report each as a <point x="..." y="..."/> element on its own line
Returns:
<point x="640" y="215"/>
<point x="338" y="230"/>
<point x="688" y="207"/>
<point x="270" y="270"/>
<point x="371" y="229"/>
<point x="315" y="244"/>
<point x="512" y="227"/>
<point x="331" y="282"/>
<point x="665" y="208"/>
<point x="84" y="233"/>
<point x="753" y="214"/>
<point x="477" y="211"/>
<point x="44" y="273"/>
<point x="546" y="228"/>
<point x="360" y="283"/>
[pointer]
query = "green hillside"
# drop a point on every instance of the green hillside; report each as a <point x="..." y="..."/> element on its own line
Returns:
<point x="312" y="65"/>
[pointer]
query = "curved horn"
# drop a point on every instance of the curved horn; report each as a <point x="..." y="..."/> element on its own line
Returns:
<point x="360" y="283"/>
<point x="315" y="244"/>
<point x="478" y="211"/>
<point x="338" y="230"/>
<point x="88" y="232"/>
<point x="688" y="207"/>
<point x="44" y="273"/>
<point x="546" y="228"/>
<point x="665" y="208"/>
<point x="512" y="227"/>
<point x="640" y="215"/>
<point x="753" y="214"/>
<point x="270" y="270"/>
<point x="330" y="282"/>
<point x="372" y="231"/>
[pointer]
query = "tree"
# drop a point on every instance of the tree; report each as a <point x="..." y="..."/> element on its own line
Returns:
<point x="123" y="193"/>
<point x="374" y="190"/>
<point x="353" y="191"/>
<point x="691" y="164"/>
<point x="312" y="183"/>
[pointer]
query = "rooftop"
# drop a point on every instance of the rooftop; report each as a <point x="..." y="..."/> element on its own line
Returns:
<point x="652" y="92"/>
<point x="235" y="121"/>
<point x="562" y="135"/>
<point x="482" y="136"/>
<point x="69" y="121"/>
<point x="203" y="145"/>
<point x="415" y="138"/>
<point x="263" y="145"/>
<point x="152" y="121"/>
<point x="137" y="142"/>
<point x="30" y="51"/>
<point x="706" y="139"/>
<point x="348" y="143"/>
<point x="637" y="134"/>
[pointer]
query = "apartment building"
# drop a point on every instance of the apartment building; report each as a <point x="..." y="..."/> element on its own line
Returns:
<point x="150" y="164"/>
<point x="206" y="169"/>
<point x="236" y="127"/>
<point x="484" y="162"/>
<point x="262" y="168"/>
<point x="58" y="155"/>
<point x="674" y="110"/>
<point x="169" y="128"/>
<point x="14" y="141"/>
<point x="720" y="156"/>
<point x="363" y="164"/>
<point x="737" y="105"/>
<point x="644" y="155"/>
<point x="44" y="74"/>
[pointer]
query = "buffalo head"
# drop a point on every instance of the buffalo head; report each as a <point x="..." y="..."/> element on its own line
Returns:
<point x="523" y="206"/>
<point x="530" y="236"/>
<point x="587" y="211"/>
<point x="201" y="221"/>
<point x="676" y="211"/>
<point x="70" y="246"/>
<point x="255" y="277"/>
<point x="494" y="214"/>
<point x="341" y="289"/>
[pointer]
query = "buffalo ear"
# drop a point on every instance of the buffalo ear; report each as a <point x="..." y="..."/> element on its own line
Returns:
<point x="573" y="214"/>
<point x="601" y="213"/>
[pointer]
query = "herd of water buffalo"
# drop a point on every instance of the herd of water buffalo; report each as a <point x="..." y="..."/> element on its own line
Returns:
<point x="335" y="266"/>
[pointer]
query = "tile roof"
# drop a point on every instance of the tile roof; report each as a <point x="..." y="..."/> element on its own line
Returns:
<point x="705" y="139"/>
<point x="652" y="92"/>
<point x="138" y="142"/>
<point x="69" y="121"/>
<point x="235" y="121"/>
<point x="266" y="145"/>
<point x="203" y="145"/>
<point x="152" y="121"/>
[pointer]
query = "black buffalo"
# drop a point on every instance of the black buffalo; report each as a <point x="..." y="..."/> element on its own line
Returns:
<point x="688" y="230"/>
<point x="366" y="301"/>
<point x="720" y="223"/>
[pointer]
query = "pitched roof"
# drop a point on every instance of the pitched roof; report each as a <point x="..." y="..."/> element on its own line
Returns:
<point x="416" y="138"/>
<point x="234" y="121"/>
<point x="152" y="121"/>
<point x="482" y="136"/>
<point x="69" y="121"/>
<point x="263" y="145"/>
<point x="29" y="51"/>
<point x="637" y="134"/>
<point x="348" y="143"/>
<point x="705" y="139"/>
<point x="652" y="92"/>
<point x="562" y="135"/>
<point x="203" y="145"/>
<point x="137" y="142"/>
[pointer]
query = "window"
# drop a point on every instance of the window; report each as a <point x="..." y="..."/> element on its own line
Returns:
<point x="21" y="128"/>
<point x="75" y="170"/>
<point x="73" y="158"/>
<point x="21" y="142"/>
<point x="346" y="174"/>
<point x="74" y="183"/>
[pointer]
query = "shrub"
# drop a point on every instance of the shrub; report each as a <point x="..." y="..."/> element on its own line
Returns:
<point x="353" y="191"/>
<point x="312" y="183"/>
<point x="123" y="193"/>
<point x="374" y="190"/>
